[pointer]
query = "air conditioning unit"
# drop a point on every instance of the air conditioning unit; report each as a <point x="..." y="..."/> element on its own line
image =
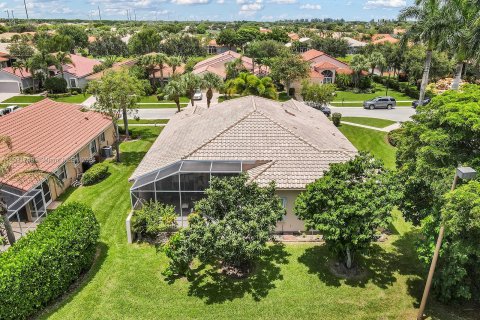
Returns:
<point x="107" y="152"/>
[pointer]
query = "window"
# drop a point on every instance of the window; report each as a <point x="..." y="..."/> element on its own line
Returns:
<point x="93" y="148"/>
<point x="73" y="83"/>
<point x="102" y="137"/>
<point x="61" y="173"/>
<point x="76" y="159"/>
<point x="327" y="76"/>
<point x="284" y="205"/>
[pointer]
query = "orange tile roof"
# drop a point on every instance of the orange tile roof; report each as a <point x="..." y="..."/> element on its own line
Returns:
<point x="325" y="65"/>
<point x="382" y="38"/>
<point x="21" y="74"/>
<point x="81" y="66"/>
<point x="52" y="132"/>
<point x="311" y="54"/>
<point x="168" y="71"/>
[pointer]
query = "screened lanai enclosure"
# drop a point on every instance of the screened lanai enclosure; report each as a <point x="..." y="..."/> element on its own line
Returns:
<point x="183" y="183"/>
<point x="25" y="210"/>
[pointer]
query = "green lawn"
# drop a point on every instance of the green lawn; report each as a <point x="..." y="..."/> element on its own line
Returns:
<point x="290" y="282"/>
<point x="372" y="122"/>
<point x="78" y="98"/>
<point x="153" y="99"/>
<point x="351" y="99"/>
<point x="371" y="140"/>
<point x="145" y="121"/>
<point x="24" y="99"/>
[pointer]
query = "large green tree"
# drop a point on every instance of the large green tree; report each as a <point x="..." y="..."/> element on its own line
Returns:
<point x="211" y="81"/>
<point x="117" y="94"/>
<point x="348" y="205"/>
<point x="191" y="83"/>
<point x="147" y="40"/>
<point x="289" y="68"/>
<point x="231" y="226"/>
<point x="322" y="94"/>
<point x="174" y="90"/>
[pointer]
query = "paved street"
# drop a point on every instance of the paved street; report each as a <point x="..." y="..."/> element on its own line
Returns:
<point x="400" y="114"/>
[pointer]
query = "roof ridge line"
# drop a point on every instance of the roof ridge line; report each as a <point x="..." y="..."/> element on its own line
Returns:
<point x="270" y="164"/>
<point x="295" y="104"/>
<point x="218" y="134"/>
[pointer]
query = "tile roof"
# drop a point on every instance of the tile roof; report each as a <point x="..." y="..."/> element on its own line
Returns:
<point x="17" y="72"/>
<point x="81" y="66"/>
<point x="116" y="67"/>
<point x="311" y="54"/>
<point x="51" y="131"/>
<point x="295" y="142"/>
<point x="216" y="64"/>
<point x="168" y="71"/>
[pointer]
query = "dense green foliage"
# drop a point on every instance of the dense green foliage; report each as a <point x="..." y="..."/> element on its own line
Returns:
<point x="288" y="68"/>
<point x="231" y="226"/>
<point x="348" y="205"/>
<point x="56" y="85"/>
<point x="318" y="93"/>
<point x="43" y="264"/>
<point x="336" y="119"/>
<point x="108" y="45"/>
<point x="249" y="84"/>
<point x="95" y="174"/>
<point x="330" y="45"/>
<point x="154" y="218"/>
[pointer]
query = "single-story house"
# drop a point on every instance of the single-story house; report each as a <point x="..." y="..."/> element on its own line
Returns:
<point x="75" y="74"/>
<point x="116" y="67"/>
<point x="286" y="142"/>
<point x="214" y="48"/>
<point x="323" y="68"/>
<point x="301" y="45"/>
<point x="64" y="139"/>
<point x="167" y="73"/>
<point x="216" y="64"/>
<point x="354" y="45"/>
<point x="383" y="38"/>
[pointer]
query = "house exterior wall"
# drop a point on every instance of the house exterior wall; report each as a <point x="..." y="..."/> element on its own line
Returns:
<point x="74" y="170"/>
<point x="24" y="83"/>
<point x="290" y="223"/>
<point x="81" y="82"/>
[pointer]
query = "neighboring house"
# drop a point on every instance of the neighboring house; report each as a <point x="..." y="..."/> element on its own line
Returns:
<point x="76" y="73"/>
<point x="301" y="45"/>
<point x="167" y="73"/>
<point x="354" y="45"/>
<point x="265" y="30"/>
<point x="382" y="38"/>
<point x="214" y="48"/>
<point x="64" y="139"/>
<point x="293" y="36"/>
<point x="116" y="67"/>
<point x="15" y="81"/>
<point x="323" y="68"/>
<point x="5" y="59"/>
<point x="216" y="64"/>
<point x="286" y="142"/>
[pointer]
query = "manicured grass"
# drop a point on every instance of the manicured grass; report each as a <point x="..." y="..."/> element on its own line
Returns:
<point x="153" y="99"/>
<point x="24" y="99"/>
<point x="289" y="282"/>
<point x="372" y="122"/>
<point x="145" y="121"/>
<point x="160" y="105"/>
<point x="351" y="99"/>
<point x="78" y="98"/>
<point x="371" y="140"/>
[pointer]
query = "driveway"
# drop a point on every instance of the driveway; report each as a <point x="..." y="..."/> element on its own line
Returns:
<point x="5" y="95"/>
<point x="399" y="114"/>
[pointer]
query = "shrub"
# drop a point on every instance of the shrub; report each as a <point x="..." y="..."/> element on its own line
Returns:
<point x="95" y="174"/>
<point x="153" y="219"/>
<point x="336" y="118"/>
<point x="41" y="266"/>
<point x="56" y="85"/>
<point x="394" y="136"/>
<point x="59" y="95"/>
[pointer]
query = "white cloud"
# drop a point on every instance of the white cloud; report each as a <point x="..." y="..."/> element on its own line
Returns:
<point x="250" y="7"/>
<point x="370" y="4"/>
<point x="190" y="2"/>
<point x="309" y="6"/>
<point x="282" y="1"/>
<point x="220" y="1"/>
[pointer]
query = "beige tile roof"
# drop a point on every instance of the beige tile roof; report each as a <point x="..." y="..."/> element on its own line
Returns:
<point x="296" y="142"/>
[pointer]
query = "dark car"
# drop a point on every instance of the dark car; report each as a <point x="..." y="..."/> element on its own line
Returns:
<point x="380" y="103"/>
<point x="425" y="102"/>
<point x="326" y="110"/>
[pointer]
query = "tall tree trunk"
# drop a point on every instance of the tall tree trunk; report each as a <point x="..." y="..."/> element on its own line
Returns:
<point x="177" y="102"/>
<point x="458" y="76"/>
<point x="161" y="75"/>
<point x="349" y="258"/>
<point x="125" y="123"/>
<point x="426" y="73"/>
<point x="209" y="96"/>
<point x="7" y="225"/>
<point x="287" y="85"/>
<point x="117" y="140"/>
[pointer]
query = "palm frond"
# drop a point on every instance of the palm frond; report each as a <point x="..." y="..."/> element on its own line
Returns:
<point x="7" y="141"/>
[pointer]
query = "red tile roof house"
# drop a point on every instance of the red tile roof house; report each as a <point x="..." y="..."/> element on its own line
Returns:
<point x="63" y="138"/>
<point x="75" y="74"/>
<point x="323" y="68"/>
<point x="214" y="48"/>
<point x="216" y="64"/>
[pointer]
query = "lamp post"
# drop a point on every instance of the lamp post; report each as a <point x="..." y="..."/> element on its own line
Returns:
<point x="464" y="173"/>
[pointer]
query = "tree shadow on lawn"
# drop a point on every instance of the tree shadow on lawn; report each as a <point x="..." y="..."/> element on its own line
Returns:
<point x="76" y="287"/>
<point x="377" y="264"/>
<point x="212" y="286"/>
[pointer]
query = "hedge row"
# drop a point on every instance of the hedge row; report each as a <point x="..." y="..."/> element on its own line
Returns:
<point x="42" y="265"/>
<point x="95" y="174"/>
<point x="394" y="84"/>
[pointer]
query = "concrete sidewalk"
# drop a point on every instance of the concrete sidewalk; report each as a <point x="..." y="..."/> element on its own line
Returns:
<point x="386" y="129"/>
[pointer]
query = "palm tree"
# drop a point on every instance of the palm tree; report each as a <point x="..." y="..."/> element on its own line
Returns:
<point x="249" y="84"/>
<point x="429" y="29"/>
<point x="38" y="65"/>
<point x="148" y="63"/>
<point x="20" y="66"/>
<point x="460" y="36"/>
<point x="376" y="59"/>
<point x="234" y="68"/>
<point x="211" y="81"/>
<point x="191" y="82"/>
<point x="358" y="64"/>
<point x="174" y="89"/>
<point x="174" y="62"/>
<point x="161" y="60"/>
<point x="7" y="163"/>
<point x="63" y="58"/>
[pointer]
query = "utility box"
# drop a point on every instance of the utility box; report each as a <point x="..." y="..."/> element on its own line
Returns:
<point x="107" y="152"/>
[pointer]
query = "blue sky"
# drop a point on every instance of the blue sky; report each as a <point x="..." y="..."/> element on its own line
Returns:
<point x="261" y="10"/>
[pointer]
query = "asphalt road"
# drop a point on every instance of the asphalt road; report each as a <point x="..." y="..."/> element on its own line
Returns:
<point x="399" y="114"/>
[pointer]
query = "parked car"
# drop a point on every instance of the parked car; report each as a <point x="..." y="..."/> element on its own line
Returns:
<point x="380" y="103"/>
<point x="2" y="112"/>
<point x="9" y="109"/>
<point x="198" y="95"/>
<point x="425" y="102"/>
<point x="326" y="110"/>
